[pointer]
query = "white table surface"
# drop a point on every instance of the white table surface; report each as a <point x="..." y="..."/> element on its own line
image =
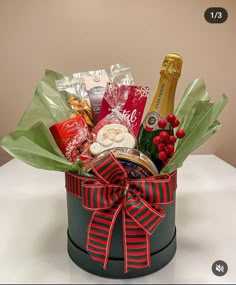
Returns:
<point x="33" y="221"/>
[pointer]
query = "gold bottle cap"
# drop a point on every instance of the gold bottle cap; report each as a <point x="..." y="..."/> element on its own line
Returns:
<point x="172" y="65"/>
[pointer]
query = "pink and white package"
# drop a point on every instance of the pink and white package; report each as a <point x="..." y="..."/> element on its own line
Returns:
<point x="132" y="103"/>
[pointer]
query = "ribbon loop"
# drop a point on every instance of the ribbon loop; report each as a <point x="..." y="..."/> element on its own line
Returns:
<point x="143" y="213"/>
<point x="109" y="170"/>
<point x="157" y="190"/>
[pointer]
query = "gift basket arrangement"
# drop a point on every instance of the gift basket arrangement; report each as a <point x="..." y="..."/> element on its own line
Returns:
<point x="120" y="170"/>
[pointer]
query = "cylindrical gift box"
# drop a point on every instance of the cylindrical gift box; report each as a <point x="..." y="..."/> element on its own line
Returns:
<point x="162" y="241"/>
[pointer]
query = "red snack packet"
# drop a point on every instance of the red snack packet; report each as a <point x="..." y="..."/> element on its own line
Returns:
<point x="73" y="138"/>
<point x="132" y="103"/>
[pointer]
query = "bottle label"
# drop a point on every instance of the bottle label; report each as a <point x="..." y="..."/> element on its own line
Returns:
<point x="150" y="122"/>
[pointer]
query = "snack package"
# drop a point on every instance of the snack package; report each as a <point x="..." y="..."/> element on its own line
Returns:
<point x="73" y="137"/>
<point x="95" y="84"/>
<point x="73" y="92"/>
<point x="133" y="100"/>
<point x="83" y="92"/>
<point x="120" y="74"/>
<point x="116" y="128"/>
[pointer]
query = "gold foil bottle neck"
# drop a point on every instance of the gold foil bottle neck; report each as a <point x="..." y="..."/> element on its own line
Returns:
<point x="171" y="66"/>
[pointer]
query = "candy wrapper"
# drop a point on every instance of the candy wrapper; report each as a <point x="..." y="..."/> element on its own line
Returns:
<point x="133" y="100"/>
<point x="73" y="137"/>
<point x="73" y="92"/>
<point x="115" y="129"/>
<point x="83" y="92"/>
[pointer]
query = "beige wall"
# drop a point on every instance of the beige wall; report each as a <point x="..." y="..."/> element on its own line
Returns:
<point x="80" y="35"/>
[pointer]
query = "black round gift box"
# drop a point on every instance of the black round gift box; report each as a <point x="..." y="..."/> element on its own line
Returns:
<point x="162" y="245"/>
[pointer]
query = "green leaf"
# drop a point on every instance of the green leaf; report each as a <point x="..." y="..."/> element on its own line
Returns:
<point x="47" y="105"/>
<point x="35" y="112"/>
<point x="37" y="148"/>
<point x="49" y="95"/>
<point x="195" y="114"/>
<point x="205" y="124"/>
<point x="195" y="92"/>
<point x="211" y="130"/>
<point x="32" y="141"/>
<point x="31" y="153"/>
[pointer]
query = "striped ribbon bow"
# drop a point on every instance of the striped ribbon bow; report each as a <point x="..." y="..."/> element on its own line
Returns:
<point x="138" y="200"/>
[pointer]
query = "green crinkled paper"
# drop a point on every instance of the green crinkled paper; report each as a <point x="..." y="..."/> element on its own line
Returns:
<point x="47" y="105"/>
<point x="198" y="117"/>
<point x="37" y="148"/>
<point x="32" y="141"/>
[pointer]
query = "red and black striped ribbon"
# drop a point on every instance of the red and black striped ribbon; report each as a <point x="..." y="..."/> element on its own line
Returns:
<point x="157" y="190"/>
<point x="139" y="201"/>
<point x="109" y="170"/>
<point x="73" y="184"/>
<point x="136" y="244"/>
<point x="100" y="232"/>
<point x="97" y="196"/>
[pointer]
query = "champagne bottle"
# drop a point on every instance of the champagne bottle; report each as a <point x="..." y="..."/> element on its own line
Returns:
<point x="162" y="105"/>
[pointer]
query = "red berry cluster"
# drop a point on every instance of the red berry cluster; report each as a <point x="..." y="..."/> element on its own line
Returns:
<point x="165" y="141"/>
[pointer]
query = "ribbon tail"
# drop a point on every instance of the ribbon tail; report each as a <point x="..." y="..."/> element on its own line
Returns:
<point x="136" y="245"/>
<point x="100" y="231"/>
<point x="109" y="170"/>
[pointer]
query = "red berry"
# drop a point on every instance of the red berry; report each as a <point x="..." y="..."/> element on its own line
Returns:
<point x="171" y="118"/>
<point x="161" y="146"/>
<point x="172" y="139"/>
<point x="162" y="124"/>
<point x="175" y="123"/>
<point x="169" y="148"/>
<point x="164" y="136"/>
<point x="162" y="155"/>
<point x="180" y="134"/>
<point x="156" y="140"/>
